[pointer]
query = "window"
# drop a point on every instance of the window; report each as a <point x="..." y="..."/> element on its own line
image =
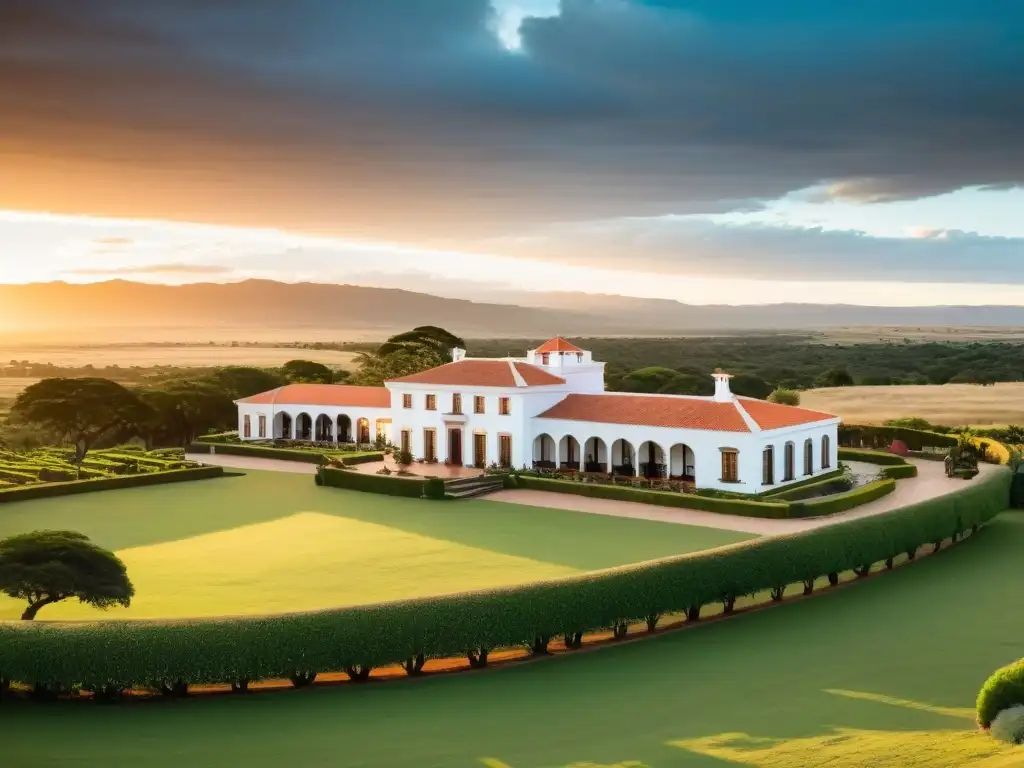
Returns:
<point x="808" y="457"/>
<point x="263" y="425"/>
<point x="579" y="357"/>
<point x="768" y="466"/>
<point x="504" y="406"/>
<point x="246" y="426"/>
<point x="826" y="452"/>
<point x="430" y="445"/>
<point x="431" y="402"/>
<point x="406" y="441"/>
<point x="407" y="400"/>
<point x="790" y="462"/>
<point x="478" y="404"/>
<point x="545" y="358"/>
<point x="456" y="403"/>
<point x="730" y="465"/>
<point x="505" y="450"/>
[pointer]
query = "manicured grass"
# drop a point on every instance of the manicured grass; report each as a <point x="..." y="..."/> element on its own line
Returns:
<point x="882" y="673"/>
<point x="274" y="541"/>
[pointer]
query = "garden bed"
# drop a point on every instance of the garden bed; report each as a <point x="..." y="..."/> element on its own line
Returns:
<point x="308" y="454"/>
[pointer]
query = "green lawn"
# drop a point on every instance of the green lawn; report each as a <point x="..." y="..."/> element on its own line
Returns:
<point x="882" y="673"/>
<point x="274" y="541"/>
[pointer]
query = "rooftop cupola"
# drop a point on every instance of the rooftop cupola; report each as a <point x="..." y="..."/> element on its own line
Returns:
<point x="558" y="353"/>
<point x="458" y="354"/>
<point x="722" y="392"/>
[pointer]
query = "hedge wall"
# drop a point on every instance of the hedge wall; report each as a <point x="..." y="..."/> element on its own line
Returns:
<point x="900" y="471"/>
<point x="798" y="490"/>
<point x="871" y="457"/>
<point x="48" y="490"/>
<point x="284" y="454"/>
<point x="841" y="502"/>
<point x="389" y="485"/>
<point x="118" y="654"/>
<point x="1004" y="689"/>
<point x="871" y="436"/>
<point x="771" y="509"/>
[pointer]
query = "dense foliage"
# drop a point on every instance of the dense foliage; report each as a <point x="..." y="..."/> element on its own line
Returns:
<point x="56" y="464"/>
<point x="1008" y="725"/>
<point x="1004" y="689"/>
<point x="46" y="567"/>
<point x="791" y="362"/>
<point x="424" y="347"/>
<point x="239" y="649"/>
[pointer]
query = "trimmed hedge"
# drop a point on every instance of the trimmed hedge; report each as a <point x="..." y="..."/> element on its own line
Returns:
<point x="900" y="471"/>
<point x="49" y="490"/>
<point x="769" y="509"/>
<point x="872" y="436"/>
<point x="1004" y="689"/>
<point x="111" y="655"/>
<point x="388" y="485"/>
<point x="811" y="485"/>
<point x="841" y="502"/>
<point x="871" y="457"/>
<point x="284" y="454"/>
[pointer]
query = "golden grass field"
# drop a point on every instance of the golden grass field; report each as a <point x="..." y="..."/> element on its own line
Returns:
<point x="179" y="355"/>
<point x="949" y="404"/>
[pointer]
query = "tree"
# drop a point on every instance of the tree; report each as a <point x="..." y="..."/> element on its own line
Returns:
<point x="438" y="340"/>
<point x="82" y="410"/>
<point x="45" y="567"/>
<point x="240" y="381"/>
<point x="784" y="397"/>
<point x="404" y="354"/>
<point x="307" y="371"/>
<point x="835" y="377"/>
<point x="749" y="385"/>
<point x="649" y="379"/>
<point x="184" y="409"/>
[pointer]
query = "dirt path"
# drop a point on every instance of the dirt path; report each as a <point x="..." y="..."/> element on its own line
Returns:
<point x="253" y="462"/>
<point x="930" y="482"/>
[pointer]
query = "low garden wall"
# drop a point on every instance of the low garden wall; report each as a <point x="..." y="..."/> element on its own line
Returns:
<point x="49" y="490"/>
<point x="389" y="485"/>
<point x="112" y="655"/>
<point x="285" y="454"/>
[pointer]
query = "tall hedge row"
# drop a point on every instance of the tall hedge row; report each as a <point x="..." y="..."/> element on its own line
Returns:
<point x="49" y="490"/>
<point x="123" y="653"/>
<point x="873" y="436"/>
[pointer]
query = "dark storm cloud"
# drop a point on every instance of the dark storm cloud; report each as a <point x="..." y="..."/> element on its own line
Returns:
<point x="406" y="119"/>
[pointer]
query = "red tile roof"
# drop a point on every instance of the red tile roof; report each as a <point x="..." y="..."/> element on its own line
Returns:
<point x="641" y="410"/>
<point x="557" y="344"/>
<point x="484" y="373"/>
<point x="323" y="394"/>
<point x="777" y="416"/>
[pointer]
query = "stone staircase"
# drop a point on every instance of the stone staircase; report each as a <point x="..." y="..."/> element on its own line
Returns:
<point x="467" y="487"/>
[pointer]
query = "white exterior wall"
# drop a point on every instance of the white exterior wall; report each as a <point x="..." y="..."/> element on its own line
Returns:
<point x="797" y="436"/>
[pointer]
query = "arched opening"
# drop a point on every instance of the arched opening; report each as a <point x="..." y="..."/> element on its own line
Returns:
<point x="543" y="452"/>
<point x="768" y="466"/>
<point x="322" y="429"/>
<point x="826" y="452"/>
<point x="681" y="462"/>
<point x="789" y="469"/>
<point x="363" y="431"/>
<point x="282" y="426"/>
<point x="623" y="458"/>
<point x="303" y="427"/>
<point x="652" y="460"/>
<point x="344" y="429"/>
<point x="595" y="455"/>
<point x="808" y="457"/>
<point x="569" y="453"/>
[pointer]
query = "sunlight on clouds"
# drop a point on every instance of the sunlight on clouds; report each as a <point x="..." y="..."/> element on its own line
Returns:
<point x="509" y="14"/>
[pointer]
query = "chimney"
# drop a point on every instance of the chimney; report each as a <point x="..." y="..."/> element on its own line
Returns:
<point x="458" y="354"/>
<point x="722" y="391"/>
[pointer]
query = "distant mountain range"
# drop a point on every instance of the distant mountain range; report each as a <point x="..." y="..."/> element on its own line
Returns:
<point x="264" y="304"/>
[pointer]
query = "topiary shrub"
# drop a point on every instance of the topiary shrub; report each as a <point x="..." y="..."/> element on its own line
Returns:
<point x="1008" y="725"/>
<point x="1004" y="689"/>
<point x="433" y="488"/>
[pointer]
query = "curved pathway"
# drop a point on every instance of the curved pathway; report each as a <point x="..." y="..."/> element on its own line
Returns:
<point x="930" y="482"/>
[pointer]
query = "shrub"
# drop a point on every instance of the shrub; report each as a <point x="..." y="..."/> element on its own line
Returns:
<point x="841" y="502"/>
<point x="748" y="508"/>
<point x="1004" y="689"/>
<point x="784" y="396"/>
<point x="433" y="488"/>
<point x="48" y="490"/>
<point x="900" y="472"/>
<point x="219" y="650"/>
<point x="1008" y="725"/>
<point x="870" y="457"/>
<point x="357" y="481"/>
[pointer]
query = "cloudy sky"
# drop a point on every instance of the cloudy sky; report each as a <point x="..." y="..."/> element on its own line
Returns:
<point x="713" y="151"/>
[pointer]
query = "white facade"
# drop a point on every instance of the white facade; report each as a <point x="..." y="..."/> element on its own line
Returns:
<point x="480" y="413"/>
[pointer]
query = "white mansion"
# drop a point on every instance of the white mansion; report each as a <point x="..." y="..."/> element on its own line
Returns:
<point x="550" y="409"/>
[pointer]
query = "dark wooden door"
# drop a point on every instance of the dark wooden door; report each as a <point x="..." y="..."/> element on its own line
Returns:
<point x="455" y="447"/>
